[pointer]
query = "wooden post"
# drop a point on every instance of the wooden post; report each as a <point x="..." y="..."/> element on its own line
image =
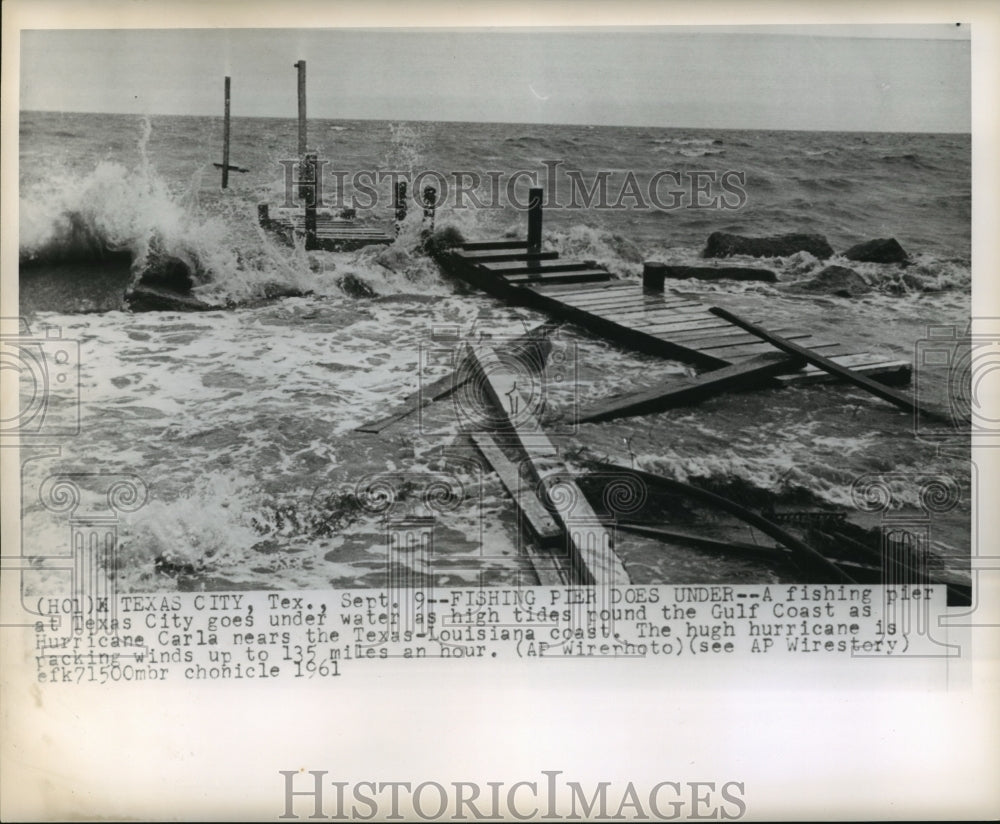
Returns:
<point x="225" y="141"/>
<point x="534" y="221"/>
<point x="653" y="274"/>
<point x="312" y="197"/>
<point x="430" y="204"/>
<point x="301" y="66"/>
<point x="399" y="203"/>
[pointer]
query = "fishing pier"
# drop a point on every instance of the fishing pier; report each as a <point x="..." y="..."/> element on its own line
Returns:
<point x="320" y="229"/>
<point x="730" y="353"/>
<point x="646" y="318"/>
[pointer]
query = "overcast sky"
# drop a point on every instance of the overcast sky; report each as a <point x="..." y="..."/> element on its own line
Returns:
<point x="913" y="78"/>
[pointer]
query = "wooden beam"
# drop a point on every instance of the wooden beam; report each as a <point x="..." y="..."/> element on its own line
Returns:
<point x="595" y="276"/>
<point x="711" y="544"/>
<point x="501" y="255"/>
<point x="816" y="562"/>
<point x="592" y="556"/>
<point x="543" y="525"/>
<point x="690" y="390"/>
<point x="534" y="220"/>
<point x="225" y="138"/>
<point x="310" y="207"/>
<point x="611" y="288"/>
<point x="301" y="66"/>
<point x="523" y="268"/>
<point x="877" y="389"/>
<point x="653" y="274"/>
<point x="484" y="245"/>
<point x="533" y="513"/>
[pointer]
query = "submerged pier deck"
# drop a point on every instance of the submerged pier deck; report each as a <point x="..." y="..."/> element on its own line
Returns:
<point x="656" y="322"/>
<point x="323" y="230"/>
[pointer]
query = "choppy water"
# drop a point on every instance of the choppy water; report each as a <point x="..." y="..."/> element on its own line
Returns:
<point x="240" y="420"/>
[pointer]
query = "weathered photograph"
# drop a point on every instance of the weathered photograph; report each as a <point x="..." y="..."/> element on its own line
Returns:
<point x="334" y="308"/>
<point x="497" y="411"/>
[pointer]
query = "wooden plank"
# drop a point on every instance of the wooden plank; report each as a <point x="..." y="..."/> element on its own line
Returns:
<point x="889" y="372"/>
<point x="558" y="277"/>
<point x="663" y="330"/>
<point x="623" y="336"/>
<point x="711" y="544"/>
<point x="489" y="256"/>
<point x="652" y="315"/>
<point x="543" y="526"/>
<point x="678" y="305"/>
<point x="566" y="292"/>
<point x="722" y="343"/>
<point x="584" y="276"/>
<point x="592" y="555"/>
<point x="689" y="390"/>
<point x="541" y="266"/>
<point x="624" y="304"/>
<point x="225" y="140"/>
<point x="739" y="352"/>
<point x="351" y="236"/>
<point x="696" y="338"/>
<point x="620" y="297"/>
<point x="493" y="245"/>
<point x="819" y="564"/>
<point x="877" y="389"/>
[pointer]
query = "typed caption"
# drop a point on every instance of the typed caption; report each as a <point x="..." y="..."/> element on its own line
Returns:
<point x="323" y="635"/>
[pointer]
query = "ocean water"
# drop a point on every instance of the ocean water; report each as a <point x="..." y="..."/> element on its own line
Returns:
<point x="240" y="421"/>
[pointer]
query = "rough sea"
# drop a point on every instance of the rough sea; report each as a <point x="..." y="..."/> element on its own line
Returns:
<point x="241" y="421"/>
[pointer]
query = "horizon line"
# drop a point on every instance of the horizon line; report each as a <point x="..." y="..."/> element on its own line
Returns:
<point x="292" y="117"/>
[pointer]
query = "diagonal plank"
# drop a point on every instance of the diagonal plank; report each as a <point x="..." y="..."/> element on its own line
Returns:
<point x="592" y="555"/>
<point x="877" y="389"/>
<point x="542" y="525"/>
<point x="688" y="390"/>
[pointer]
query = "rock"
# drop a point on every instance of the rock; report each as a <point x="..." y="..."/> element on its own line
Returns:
<point x="74" y="287"/>
<point x="170" y="271"/>
<point x="905" y="284"/>
<point x="720" y="273"/>
<point x="354" y="286"/>
<point x="834" y="280"/>
<point x="272" y="290"/>
<point x="143" y="298"/>
<point x="442" y="240"/>
<point x="165" y="283"/>
<point x="722" y="244"/>
<point x="626" y="249"/>
<point x="884" y="250"/>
